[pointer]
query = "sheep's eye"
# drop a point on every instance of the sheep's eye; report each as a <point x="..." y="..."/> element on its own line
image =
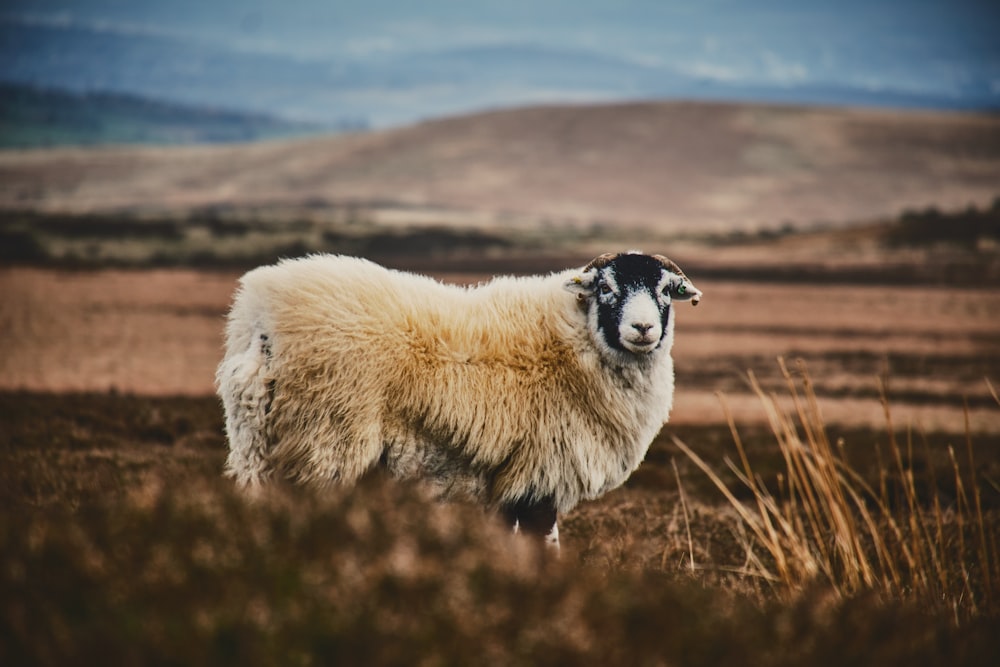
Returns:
<point x="605" y="288"/>
<point x="682" y="290"/>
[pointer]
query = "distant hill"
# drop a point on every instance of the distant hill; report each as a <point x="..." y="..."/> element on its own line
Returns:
<point x="675" y="168"/>
<point x="37" y="117"/>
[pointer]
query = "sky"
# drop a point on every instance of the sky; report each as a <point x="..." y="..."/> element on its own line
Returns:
<point x="923" y="47"/>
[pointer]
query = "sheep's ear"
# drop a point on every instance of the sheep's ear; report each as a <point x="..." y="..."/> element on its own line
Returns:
<point x="581" y="284"/>
<point x="680" y="286"/>
<point x="682" y="289"/>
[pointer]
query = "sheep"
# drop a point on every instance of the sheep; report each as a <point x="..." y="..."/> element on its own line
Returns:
<point x="526" y="394"/>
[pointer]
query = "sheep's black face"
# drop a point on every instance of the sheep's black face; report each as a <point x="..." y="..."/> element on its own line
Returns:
<point x="632" y="304"/>
<point x="629" y="299"/>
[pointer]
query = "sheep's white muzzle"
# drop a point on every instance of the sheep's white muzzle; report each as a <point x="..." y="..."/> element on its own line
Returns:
<point x="640" y="329"/>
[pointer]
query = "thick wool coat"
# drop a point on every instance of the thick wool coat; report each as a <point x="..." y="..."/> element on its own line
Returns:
<point x="496" y="392"/>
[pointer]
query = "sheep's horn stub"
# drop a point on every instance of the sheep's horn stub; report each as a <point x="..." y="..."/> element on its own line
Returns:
<point x="601" y="261"/>
<point x="671" y="265"/>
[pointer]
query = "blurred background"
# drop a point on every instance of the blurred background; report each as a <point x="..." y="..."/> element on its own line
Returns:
<point x="339" y="65"/>
<point x="556" y="119"/>
<point x="803" y="144"/>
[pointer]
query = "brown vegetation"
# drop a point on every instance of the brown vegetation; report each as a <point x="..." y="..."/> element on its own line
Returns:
<point x="668" y="168"/>
<point x="121" y="542"/>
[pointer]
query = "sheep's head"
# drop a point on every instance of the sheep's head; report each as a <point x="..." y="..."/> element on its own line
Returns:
<point x="628" y="298"/>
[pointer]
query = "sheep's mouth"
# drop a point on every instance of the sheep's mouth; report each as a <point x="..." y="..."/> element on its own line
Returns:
<point x="640" y="346"/>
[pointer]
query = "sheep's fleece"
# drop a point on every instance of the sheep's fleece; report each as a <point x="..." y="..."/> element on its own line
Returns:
<point x="505" y="392"/>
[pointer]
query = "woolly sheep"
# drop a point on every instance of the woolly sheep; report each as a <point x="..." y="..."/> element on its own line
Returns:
<point x="525" y="394"/>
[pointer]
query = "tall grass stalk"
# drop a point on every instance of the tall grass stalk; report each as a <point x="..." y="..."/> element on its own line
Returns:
<point x="827" y="523"/>
<point x="687" y="518"/>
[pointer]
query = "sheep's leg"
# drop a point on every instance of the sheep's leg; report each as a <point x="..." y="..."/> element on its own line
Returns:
<point x="537" y="518"/>
<point x="246" y="396"/>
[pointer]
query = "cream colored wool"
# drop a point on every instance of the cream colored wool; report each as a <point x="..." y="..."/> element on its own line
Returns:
<point x="497" y="392"/>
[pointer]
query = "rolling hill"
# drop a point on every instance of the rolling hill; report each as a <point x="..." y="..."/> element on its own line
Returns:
<point x="672" y="167"/>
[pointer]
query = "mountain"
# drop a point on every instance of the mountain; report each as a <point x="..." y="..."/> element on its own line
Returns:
<point x="426" y="70"/>
<point x="680" y="168"/>
<point x="32" y="117"/>
<point x="181" y="70"/>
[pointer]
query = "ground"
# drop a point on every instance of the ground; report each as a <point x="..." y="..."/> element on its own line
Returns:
<point x="122" y="537"/>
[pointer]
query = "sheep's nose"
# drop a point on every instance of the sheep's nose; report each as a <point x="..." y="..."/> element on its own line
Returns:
<point x="642" y="327"/>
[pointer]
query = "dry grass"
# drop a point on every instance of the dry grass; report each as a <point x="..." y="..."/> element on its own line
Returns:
<point x="825" y="523"/>
<point x="667" y="167"/>
<point x="120" y="542"/>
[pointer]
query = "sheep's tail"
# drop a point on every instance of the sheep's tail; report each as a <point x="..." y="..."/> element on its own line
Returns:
<point x="244" y="383"/>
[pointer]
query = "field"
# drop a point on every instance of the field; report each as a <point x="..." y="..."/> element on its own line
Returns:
<point x="122" y="540"/>
<point x="674" y="167"/>
<point x="827" y="491"/>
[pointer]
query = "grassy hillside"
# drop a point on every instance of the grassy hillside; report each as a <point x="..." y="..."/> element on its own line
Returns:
<point x="35" y="117"/>
<point x="670" y="168"/>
